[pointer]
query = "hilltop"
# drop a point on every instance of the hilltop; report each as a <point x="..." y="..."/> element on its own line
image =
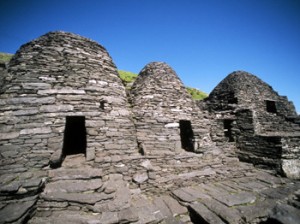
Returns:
<point x="5" y="57"/>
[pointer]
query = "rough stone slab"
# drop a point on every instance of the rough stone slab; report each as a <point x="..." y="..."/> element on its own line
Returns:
<point x="184" y="196"/>
<point x="73" y="186"/>
<point x="161" y="207"/>
<point x="206" y="172"/>
<point x="230" y="215"/>
<point x="90" y="198"/>
<point x="121" y="200"/>
<point x="9" y="135"/>
<point x="55" y="108"/>
<point x="174" y="206"/>
<point x="147" y="211"/>
<point x="285" y="214"/>
<point x="236" y="199"/>
<point x="109" y="218"/>
<point x="14" y="211"/>
<point x="172" y="125"/>
<point x="257" y="211"/>
<point x="67" y="217"/>
<point x="31" y="100"/>
<point x="279" y="193"/>
<point x="60" y="91"/>
<point x="36" y="85"/>
<point x="196" y="192"/>
<point x="140" y="177"/>
<point x="127" y="216"/>
<point x="25" y="112"/>
<point x="270" y="179"/>
<point x="72" y="174"/>
<point x="201" y="214"/>
<point x="12" y="187"/>
<point x="256" y="186"/>
<point x="33" y="131"/>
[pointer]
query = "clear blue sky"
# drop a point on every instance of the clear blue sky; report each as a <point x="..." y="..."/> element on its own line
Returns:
<point x="203" y="41"/>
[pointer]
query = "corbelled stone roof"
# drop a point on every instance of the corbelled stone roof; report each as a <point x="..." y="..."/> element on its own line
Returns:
<point x="246" y="89"/>
<point x="158" y="84"/>
<point x="242" y="84"/>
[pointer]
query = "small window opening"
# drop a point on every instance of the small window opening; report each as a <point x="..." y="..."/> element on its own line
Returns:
<point x="232" y="99"/>
<point x="228" y="130"/>
<point x="74" y="136"/>
<point x="271" y="106"/>
<point x="102" y="104"/>
<point x="186" y="135"/>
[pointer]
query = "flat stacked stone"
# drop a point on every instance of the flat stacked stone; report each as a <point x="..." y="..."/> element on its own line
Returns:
<point x="262" y="123"/>
<point x="56" y="76"/>
<point x="160" y="102"/>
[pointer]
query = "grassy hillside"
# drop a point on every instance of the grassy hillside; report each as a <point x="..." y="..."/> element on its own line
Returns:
<point x="196" y="94"/>
<point x="4" y="57"/>
<point x="129" y="77"/>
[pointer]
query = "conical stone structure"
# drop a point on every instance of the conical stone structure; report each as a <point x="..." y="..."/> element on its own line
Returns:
<point x="167" y="119"/>
<point x="263" y="124"/>
<point x="62" y="95"/>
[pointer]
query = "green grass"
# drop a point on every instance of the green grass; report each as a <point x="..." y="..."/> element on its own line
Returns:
<point x="196" y="94"/>
<point x="4" y="57"/>
<point x="127" y="77"/>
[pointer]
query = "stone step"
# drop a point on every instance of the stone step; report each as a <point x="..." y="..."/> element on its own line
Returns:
<point x="73" y="174"/>
<point x="73" y="186"/>
<point x="79" y="217"/>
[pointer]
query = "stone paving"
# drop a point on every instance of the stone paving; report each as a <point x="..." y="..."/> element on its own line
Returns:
<point x="78" y="193"/>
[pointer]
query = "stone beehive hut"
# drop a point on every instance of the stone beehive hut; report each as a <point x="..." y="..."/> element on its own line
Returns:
<point x="167" y="119"/>
<point x="263" y="124"/>
<point x="62" y="95"/>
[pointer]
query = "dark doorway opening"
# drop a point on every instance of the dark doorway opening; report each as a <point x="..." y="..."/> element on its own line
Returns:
<point x="228" y="130"/>
<point x="186" y="135"/>
<point x="74" y="136"/>
<point x="271" y="106"/>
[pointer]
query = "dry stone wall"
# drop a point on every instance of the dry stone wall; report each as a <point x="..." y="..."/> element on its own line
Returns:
<point x="167" y="119"/>
<point x="57" y="82"/>
<point x="61" y="95"/>
<point x="263" y="124"/>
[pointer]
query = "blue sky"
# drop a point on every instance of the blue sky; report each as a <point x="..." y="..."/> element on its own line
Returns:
<point x="203" y="41"/>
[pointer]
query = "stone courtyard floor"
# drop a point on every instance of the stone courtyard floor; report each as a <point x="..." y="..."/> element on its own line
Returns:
<point x="78" y="193"/>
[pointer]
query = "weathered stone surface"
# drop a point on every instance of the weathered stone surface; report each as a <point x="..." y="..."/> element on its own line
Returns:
<point x="15" y="211"/>
<point x="184" y="196"/>
<point x="61" y="76"/>
<point x="236" y="199"/>
<point x="73" y="186"/>
<point x="285" y="214"/>
<point x="291" y="168"/>
<point x="88" y="198"/>
<point x="174" y="206"/>
<point x="140" y="177"/>
<point x="259" y="210"/>
<point x="109" y="218"/>
<point x="201" y="214"/>
<point x="71" y="174"/>
<point x="230" y="215"/>
<point x="127" y="216"/>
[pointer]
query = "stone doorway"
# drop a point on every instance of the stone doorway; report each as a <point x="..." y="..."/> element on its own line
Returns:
<point x="228" y="130"/>
<point x="186" y="135"/>
<point x="74" y="136"/>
